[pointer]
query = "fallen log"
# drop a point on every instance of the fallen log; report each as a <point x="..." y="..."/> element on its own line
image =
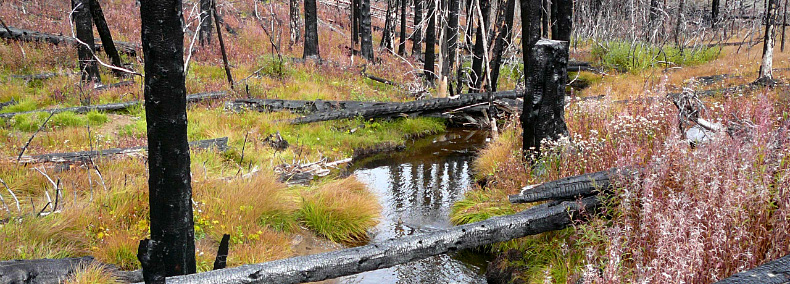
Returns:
<point x="571" y="188"/>
<point x="53" y="271"/>
<point x="220" y="144"/>
<point x="114" y="106"/>
<point x="542" y="218"/>
<point x="773" y="272"/>
<point x="297" y="106"/>
<point x="34" y="36"/>
<point x="41" y="76"/>
<point x="8" y="103"/>
<point x="407" y="108"/>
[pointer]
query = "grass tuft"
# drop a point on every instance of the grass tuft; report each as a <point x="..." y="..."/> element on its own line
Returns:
<point x="341" y="211"/>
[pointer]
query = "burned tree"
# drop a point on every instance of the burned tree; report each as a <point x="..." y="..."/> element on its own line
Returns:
<point x="502" y="41"/>
<point x="365" y="33"/>
<point x="169" y="182"/>
<point x="294" y="23"/>
<point x="478" y="59"/>
<point x="430" y="41"/>
<point x="105" y="35"/>
<point x="766" y="74"/>
<point x="205" y="22"/>
<point x="84" y="27"/>
<point x="402" y="44"/>
<point x="714" y="13"/>
<point x="389" y="22"/>
<point x="310" y="30"/>
<point x="451" y="34"/>
<point x="544" y="97"/>
<point x="416" y="48"/>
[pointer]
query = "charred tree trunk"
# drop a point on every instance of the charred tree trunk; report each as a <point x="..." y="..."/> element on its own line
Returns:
<point x="766" y="72"/>
<point x="470" y="23"/>
<point x="655" y="12"/>
<point x="544" y="97"/>
<point x="205" y="22"/>
<point x="402" y="43"/>
<point x="84" y="26"/>
<point x="416" y="48"/>
<point x="105" y="35"/>
<point x="573" y="187"/>
<point x="678" y="24"/>
<point x="218" y="23"/>
<point x="563" y="25"/>
<point x="354" y="23"/>
<point x="367" y="42"/>
<point x="386" y="34"/>
<point x="170" y="191"/>
<point x="478" y="60"/>
<point x="502" y="41"/>
<point x="784" y="25"/>
<point x="430" y="42"/>
<point x="451" y="34"/>
<point x="714" y="13"/>
<point x="311" y="30"/>
<point x="309" y="268"/>
<point x="294" y="23"/>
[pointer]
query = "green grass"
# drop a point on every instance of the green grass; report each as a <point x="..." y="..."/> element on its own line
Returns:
<point x="30" y="122"/>
<point x="640" y="56"/>
<point x="23" y="105"/>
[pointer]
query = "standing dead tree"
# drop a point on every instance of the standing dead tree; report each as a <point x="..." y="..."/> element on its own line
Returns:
<point x="430" y="42"/>
<point x="83" y="21"/>
<point x="503" y="39"/>
<point x="479" y="50"/>
<point x="105" y="35"/>
<point x="402" y="43"/>
<point x="206" y="13"/>
<point x="295" y="20"/>
<point x="544" y="97"/>
<point x="766" y="68"/>
<point x="366" y="48"/>
<point x="310" y="30"/>
<point x="171" y="250"/>
<point x="416" y="48"/>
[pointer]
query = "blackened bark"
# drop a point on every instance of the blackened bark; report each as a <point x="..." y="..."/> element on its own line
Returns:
<point x="653" y="19"/>
<point x="311" y="30"/>
<point x="772" y="272"/>
<point x="714" y="13"/>
<point x="402" y="44"/>
<point x="218" y="22"/>
<point x="367" y="42"/>
<point x="573" y="187"/>
<point x="416" y="48"/>
<point x="170" y="191"/>
<point x="84" y="26"/>
<point x="544" y="99"/>
<point x="105" y="35"/>
<point x="563" y="21"/>
<point x="470" y="23"/>
<point x="149" y="253"/>
<point x="502" y="41"/>
<point x="452" y="36"/>
<point x="478" y="59"/>
<point x="386" y="33"/>
<point x="205" y="22"/>
<point x="294" y="23"/>
<point x="784" y="25"/>
<point x="541" y="218"/>
<point x="530" y="33"/>
<point x="222" y="253"/>
<point x="430" y="42"/>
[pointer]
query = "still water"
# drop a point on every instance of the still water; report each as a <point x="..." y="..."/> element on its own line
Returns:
<point x="417" y="188"/>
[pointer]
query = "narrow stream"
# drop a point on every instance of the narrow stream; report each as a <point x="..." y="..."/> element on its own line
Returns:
<point x="417" y="188"/>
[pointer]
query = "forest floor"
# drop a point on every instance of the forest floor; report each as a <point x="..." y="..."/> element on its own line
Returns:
<point x="101" y="208"/>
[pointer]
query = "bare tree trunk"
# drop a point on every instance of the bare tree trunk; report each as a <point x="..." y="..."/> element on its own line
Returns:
<point x="655" y="12"/>
<point x="430" y="42"/>
<point x="354" y="23"/>
<point x="681" y="6"/>
<point x="470" y="23"/>
<point x="402" y="44"/>
<point x="502" y="41"/>
<point x="105" y="35"/>
<point x="205" y="22"/>
<point x="784" y="24"/>
<point x="170" y="191"/>
<point x="766" y="74"/>
<point x="546" y="17"/>
<point x="311" y="30"/>
<point x="218" y="23"/>
<point x="714" y="13"/>
<point x="451" y="34"/>
<point x="530" y="34"/>
<point x="386" y="33"/>
<point x="563" y="20"/>
<point x="367" y="42"/>
<point x="295" y="20"/>
<point x="416" y="48"/>
<point x="84" y="26"/>
<point x="478" y="60"/>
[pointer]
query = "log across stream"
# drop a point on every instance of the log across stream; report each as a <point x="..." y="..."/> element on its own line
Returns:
<point x="417" y="188"/>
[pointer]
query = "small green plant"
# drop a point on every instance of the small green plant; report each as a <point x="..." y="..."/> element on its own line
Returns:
<point x="23" y="105"/>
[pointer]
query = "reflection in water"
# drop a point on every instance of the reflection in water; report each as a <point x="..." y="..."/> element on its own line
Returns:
<point x="416" y="189"/>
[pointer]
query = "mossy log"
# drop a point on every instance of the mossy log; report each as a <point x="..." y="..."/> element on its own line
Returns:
<point x="773" y="272"/>
<point x="220" y="144"/>
<point x="541" y="218"/>
<point x="420" y="107"/>
<point x="573" y="187"/>
<point x="34" y="36"/>
<point x="46" y="271"/>
<point x="114" y="106"/>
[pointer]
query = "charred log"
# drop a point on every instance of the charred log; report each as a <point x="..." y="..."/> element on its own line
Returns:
<point x="541" y="218"/>
<point x="46" y="271"/>
<point x="407" y="108"/>
<point x="34" y="36"/>
<point x="114" y="106"/>
<point x="573" y="187"/>
<point x="220" y="144"/>
<point x="773" y="272"/>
